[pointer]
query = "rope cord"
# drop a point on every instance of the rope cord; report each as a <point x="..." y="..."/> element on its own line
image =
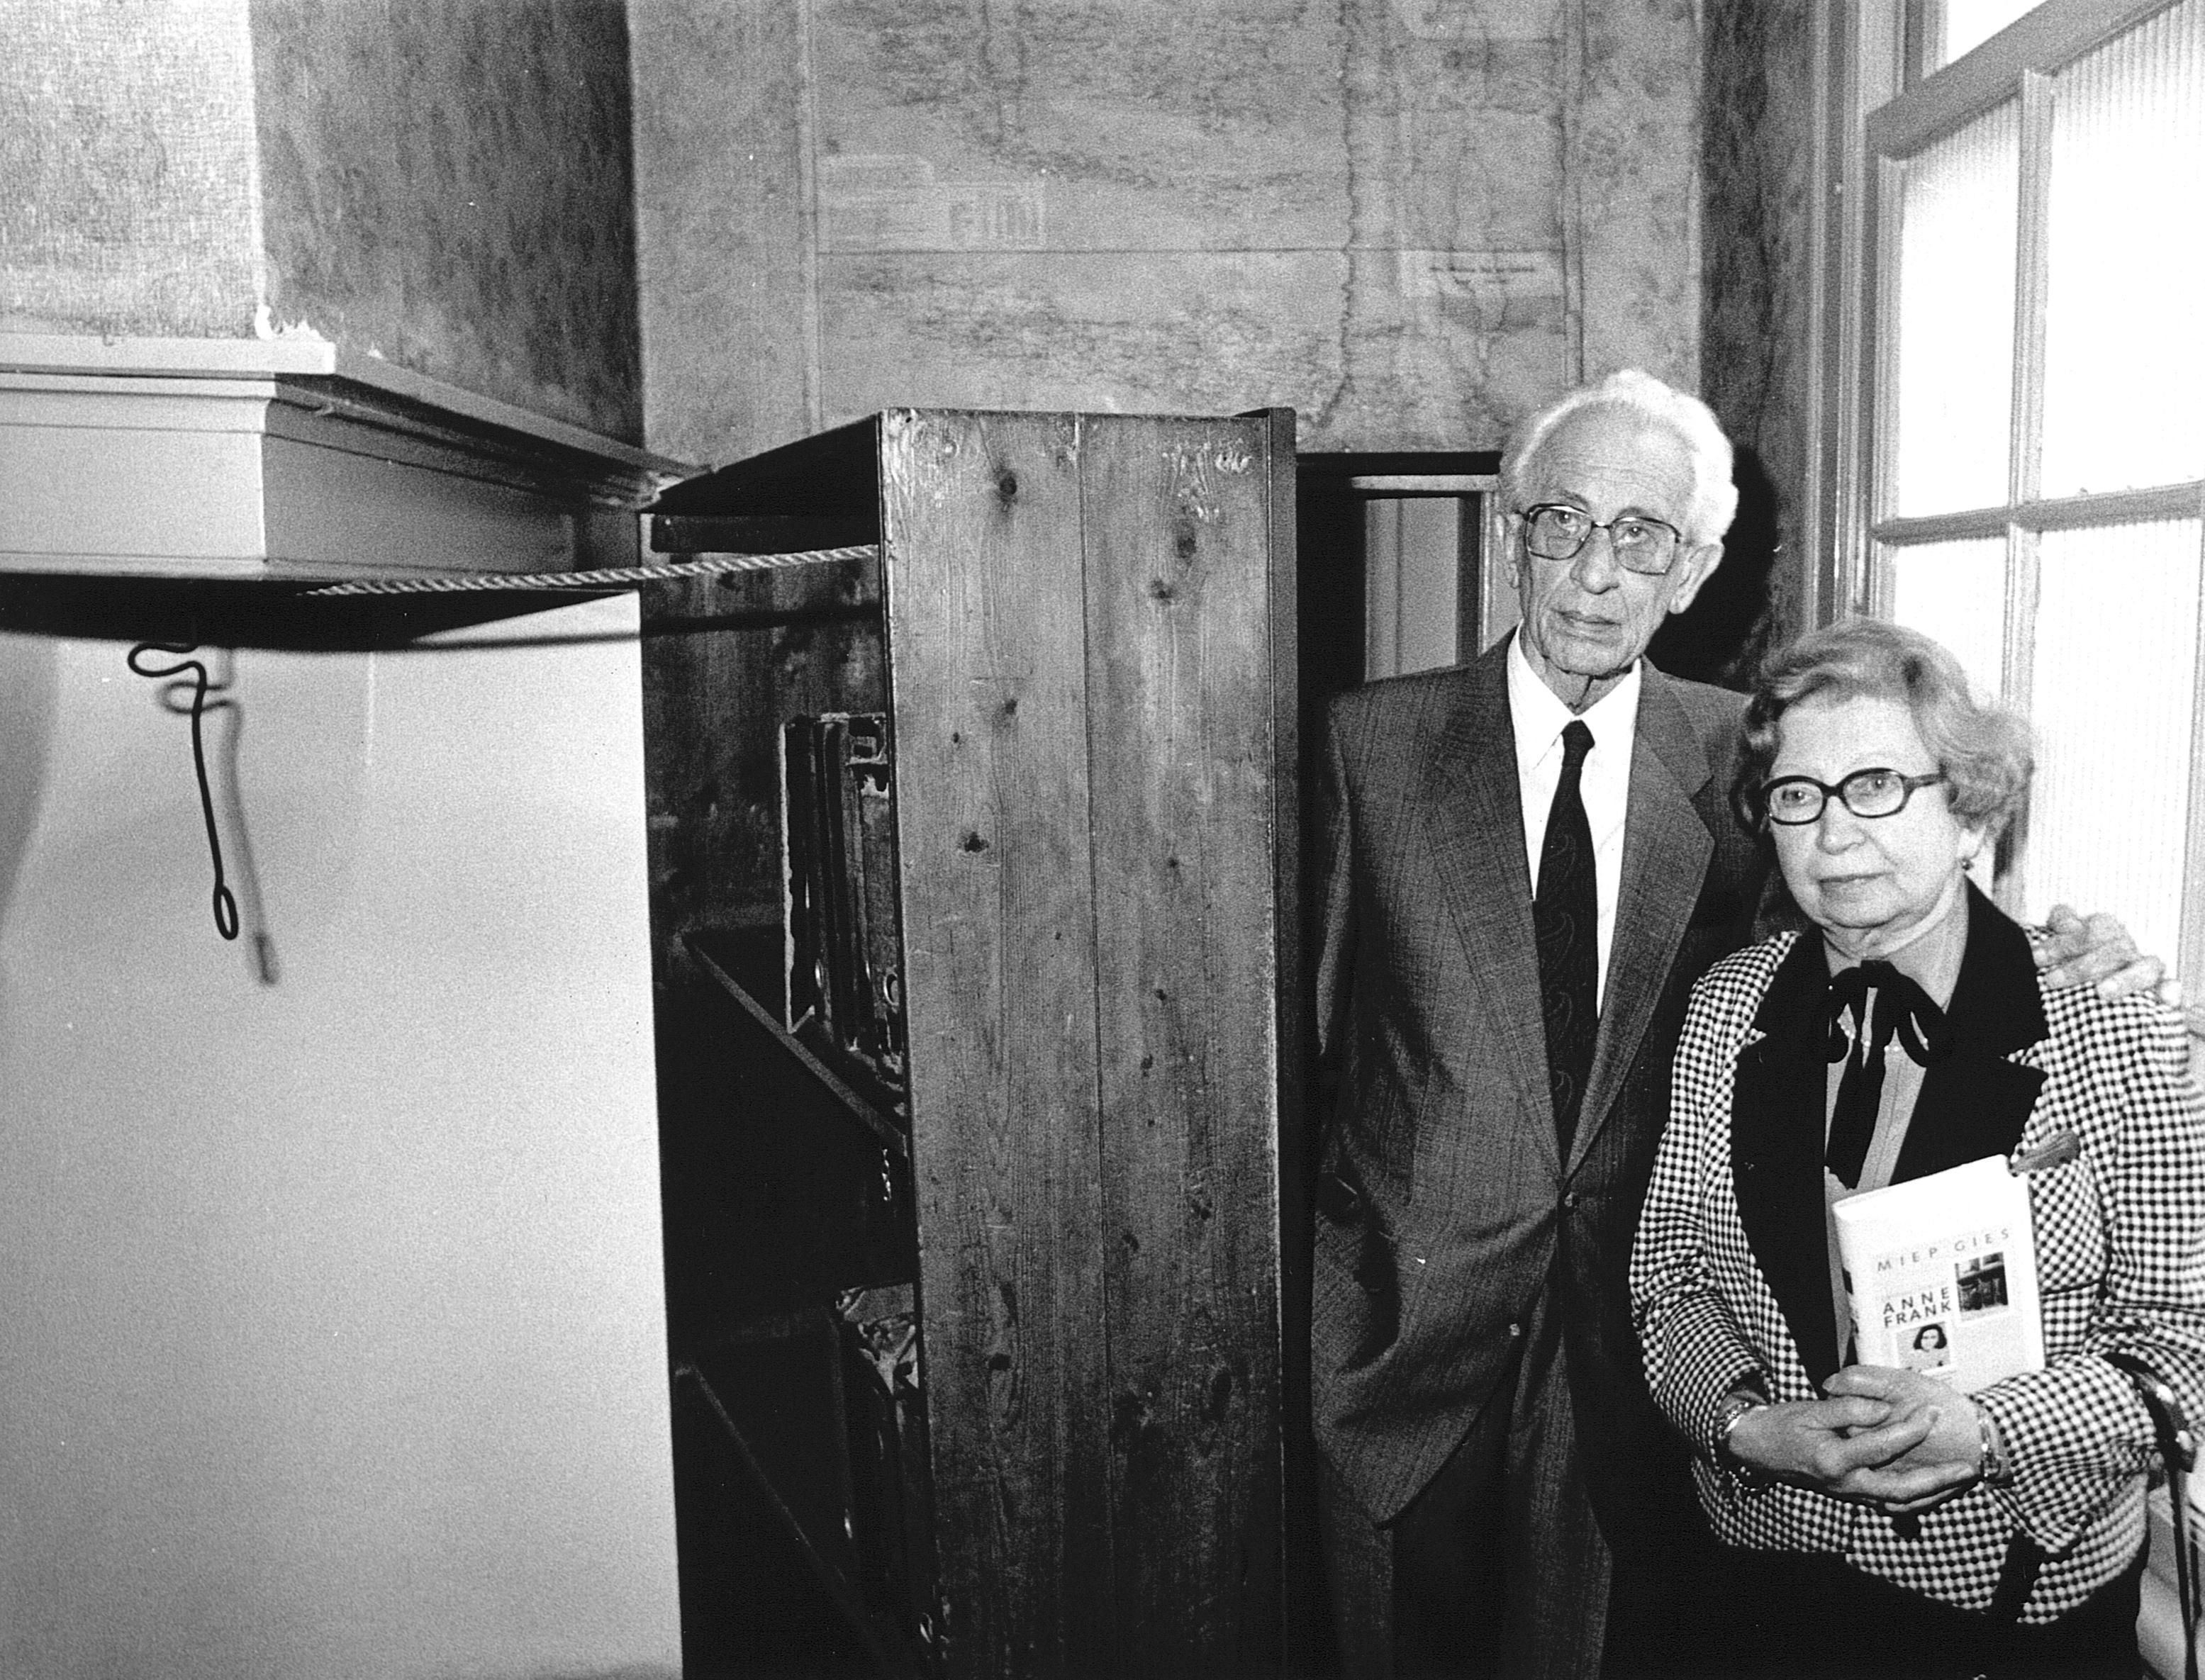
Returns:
<point x="610" y="577"/>
<point x="615" y="577"/>
<point x="225" y="901"/>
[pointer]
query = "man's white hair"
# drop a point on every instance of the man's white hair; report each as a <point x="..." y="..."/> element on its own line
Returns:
<point x="1714" y="496"/>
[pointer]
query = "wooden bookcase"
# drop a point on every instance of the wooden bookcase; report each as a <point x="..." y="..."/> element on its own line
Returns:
<point x="1082" y="628"/>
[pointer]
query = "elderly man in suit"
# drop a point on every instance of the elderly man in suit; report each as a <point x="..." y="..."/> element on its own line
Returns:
<point x="1523" y="866"/>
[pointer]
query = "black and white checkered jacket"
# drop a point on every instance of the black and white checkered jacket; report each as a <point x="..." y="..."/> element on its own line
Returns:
<point x="1730" y="1273"/>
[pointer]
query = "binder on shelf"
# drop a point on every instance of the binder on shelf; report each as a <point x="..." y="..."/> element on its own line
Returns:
<point x="841" y="941"/>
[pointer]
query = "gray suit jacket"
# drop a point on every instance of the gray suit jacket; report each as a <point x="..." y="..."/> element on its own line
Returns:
<point x="1444" y="1205"/>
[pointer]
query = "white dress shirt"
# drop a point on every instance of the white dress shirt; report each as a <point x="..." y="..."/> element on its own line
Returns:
<point x="1604" y="784"/>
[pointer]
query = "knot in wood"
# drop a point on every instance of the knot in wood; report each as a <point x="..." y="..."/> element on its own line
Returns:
<point x="1220" y="1393"/>
<point x="1129" y="1420"/>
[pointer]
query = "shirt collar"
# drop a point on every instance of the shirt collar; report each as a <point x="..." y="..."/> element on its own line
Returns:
<point x="1540" y="716"/>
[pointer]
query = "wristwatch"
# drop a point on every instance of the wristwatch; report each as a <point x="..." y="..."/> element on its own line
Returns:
<point x="1735" y="1405"/>
<point x="1994" y="1466"/>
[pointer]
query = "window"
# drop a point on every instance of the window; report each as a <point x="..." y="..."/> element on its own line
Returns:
<point x="2028" y="463"/>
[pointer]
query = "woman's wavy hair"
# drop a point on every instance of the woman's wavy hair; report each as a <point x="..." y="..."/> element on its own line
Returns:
<point x="1982" y="749"/>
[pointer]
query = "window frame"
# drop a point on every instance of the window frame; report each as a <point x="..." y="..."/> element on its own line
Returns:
<point x="1881" y="106"/>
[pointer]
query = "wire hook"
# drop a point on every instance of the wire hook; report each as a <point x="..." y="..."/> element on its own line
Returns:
<point x="225" y="902"/>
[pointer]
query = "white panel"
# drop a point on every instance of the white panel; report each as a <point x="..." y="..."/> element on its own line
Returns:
<point x="1431" y="570"/>
<point x="2124" y="351"/>
<point x="1413" y="559"/>
<point x="2115" y="683"/>
<point x="72" y="487"/>
<point x="116" y="471"/>
<point x="1956" y="593"/>
<point x="329" y="509"/>
<point x="333" y="1341"/>
<point x="1954" y="317"/>
<point x="1381" y="589"/>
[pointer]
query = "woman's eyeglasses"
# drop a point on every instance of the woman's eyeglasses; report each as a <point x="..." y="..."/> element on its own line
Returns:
<point x="1797" y="800"/>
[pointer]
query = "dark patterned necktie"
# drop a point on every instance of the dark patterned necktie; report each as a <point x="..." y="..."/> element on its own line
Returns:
<point x="1565" y="917"/>
<point x="1902" y="1008"/>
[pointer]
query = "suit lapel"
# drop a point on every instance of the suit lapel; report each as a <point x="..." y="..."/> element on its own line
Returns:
<point x="1777" y="1118"/>
<point x="1474" y="822"/>
<point x="1975" y="1103"/>
<point x="1665" y="849"/>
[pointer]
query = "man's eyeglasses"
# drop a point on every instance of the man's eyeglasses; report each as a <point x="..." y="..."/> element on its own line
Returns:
<point x="1797" y="800"/>
<point x="1556" y="530"/>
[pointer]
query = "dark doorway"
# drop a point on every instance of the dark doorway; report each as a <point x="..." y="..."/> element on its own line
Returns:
<point x="1436" y="502"/>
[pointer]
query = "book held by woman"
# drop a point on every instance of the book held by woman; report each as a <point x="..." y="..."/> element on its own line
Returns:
<point x="1940" y="1273"/>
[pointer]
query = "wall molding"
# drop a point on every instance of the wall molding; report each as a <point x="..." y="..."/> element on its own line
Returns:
<point x="292" y="457"/>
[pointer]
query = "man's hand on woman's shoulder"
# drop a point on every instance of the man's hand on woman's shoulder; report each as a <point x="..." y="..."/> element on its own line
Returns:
<point x="2098" y="951"/>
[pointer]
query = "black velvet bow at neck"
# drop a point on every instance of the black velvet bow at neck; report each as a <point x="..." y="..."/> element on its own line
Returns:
<point x="1902" y="1007"/>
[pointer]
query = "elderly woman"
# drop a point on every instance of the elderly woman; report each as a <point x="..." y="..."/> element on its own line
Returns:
<point x="1875" y="1521"/>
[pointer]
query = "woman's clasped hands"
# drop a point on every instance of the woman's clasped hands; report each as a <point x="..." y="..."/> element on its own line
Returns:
<point x="1893" y="1439"/>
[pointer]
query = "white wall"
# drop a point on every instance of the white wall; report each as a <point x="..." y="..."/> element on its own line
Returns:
<point x="331" y="1315"/>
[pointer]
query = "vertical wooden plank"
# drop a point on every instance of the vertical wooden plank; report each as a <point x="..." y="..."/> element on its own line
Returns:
<point x="1300" y="1607"/>
<point x="1183" y="738"/>
<point x="981" y="520"/>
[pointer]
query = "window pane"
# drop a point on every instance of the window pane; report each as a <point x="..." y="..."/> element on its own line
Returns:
<point x="1956" y="593"/>
<point x="1970" y="23"/>
<point x="2125" y="348"/>
<point x="1954" y="317"/>
<point x="2115" y="682"/>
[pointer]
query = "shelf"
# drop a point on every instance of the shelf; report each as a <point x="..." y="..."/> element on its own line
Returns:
<point x="265" y="612"/>
<point x="1086" y="651"/>
<point x="746" y="962"/>
<point x="767" y="1408"/>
